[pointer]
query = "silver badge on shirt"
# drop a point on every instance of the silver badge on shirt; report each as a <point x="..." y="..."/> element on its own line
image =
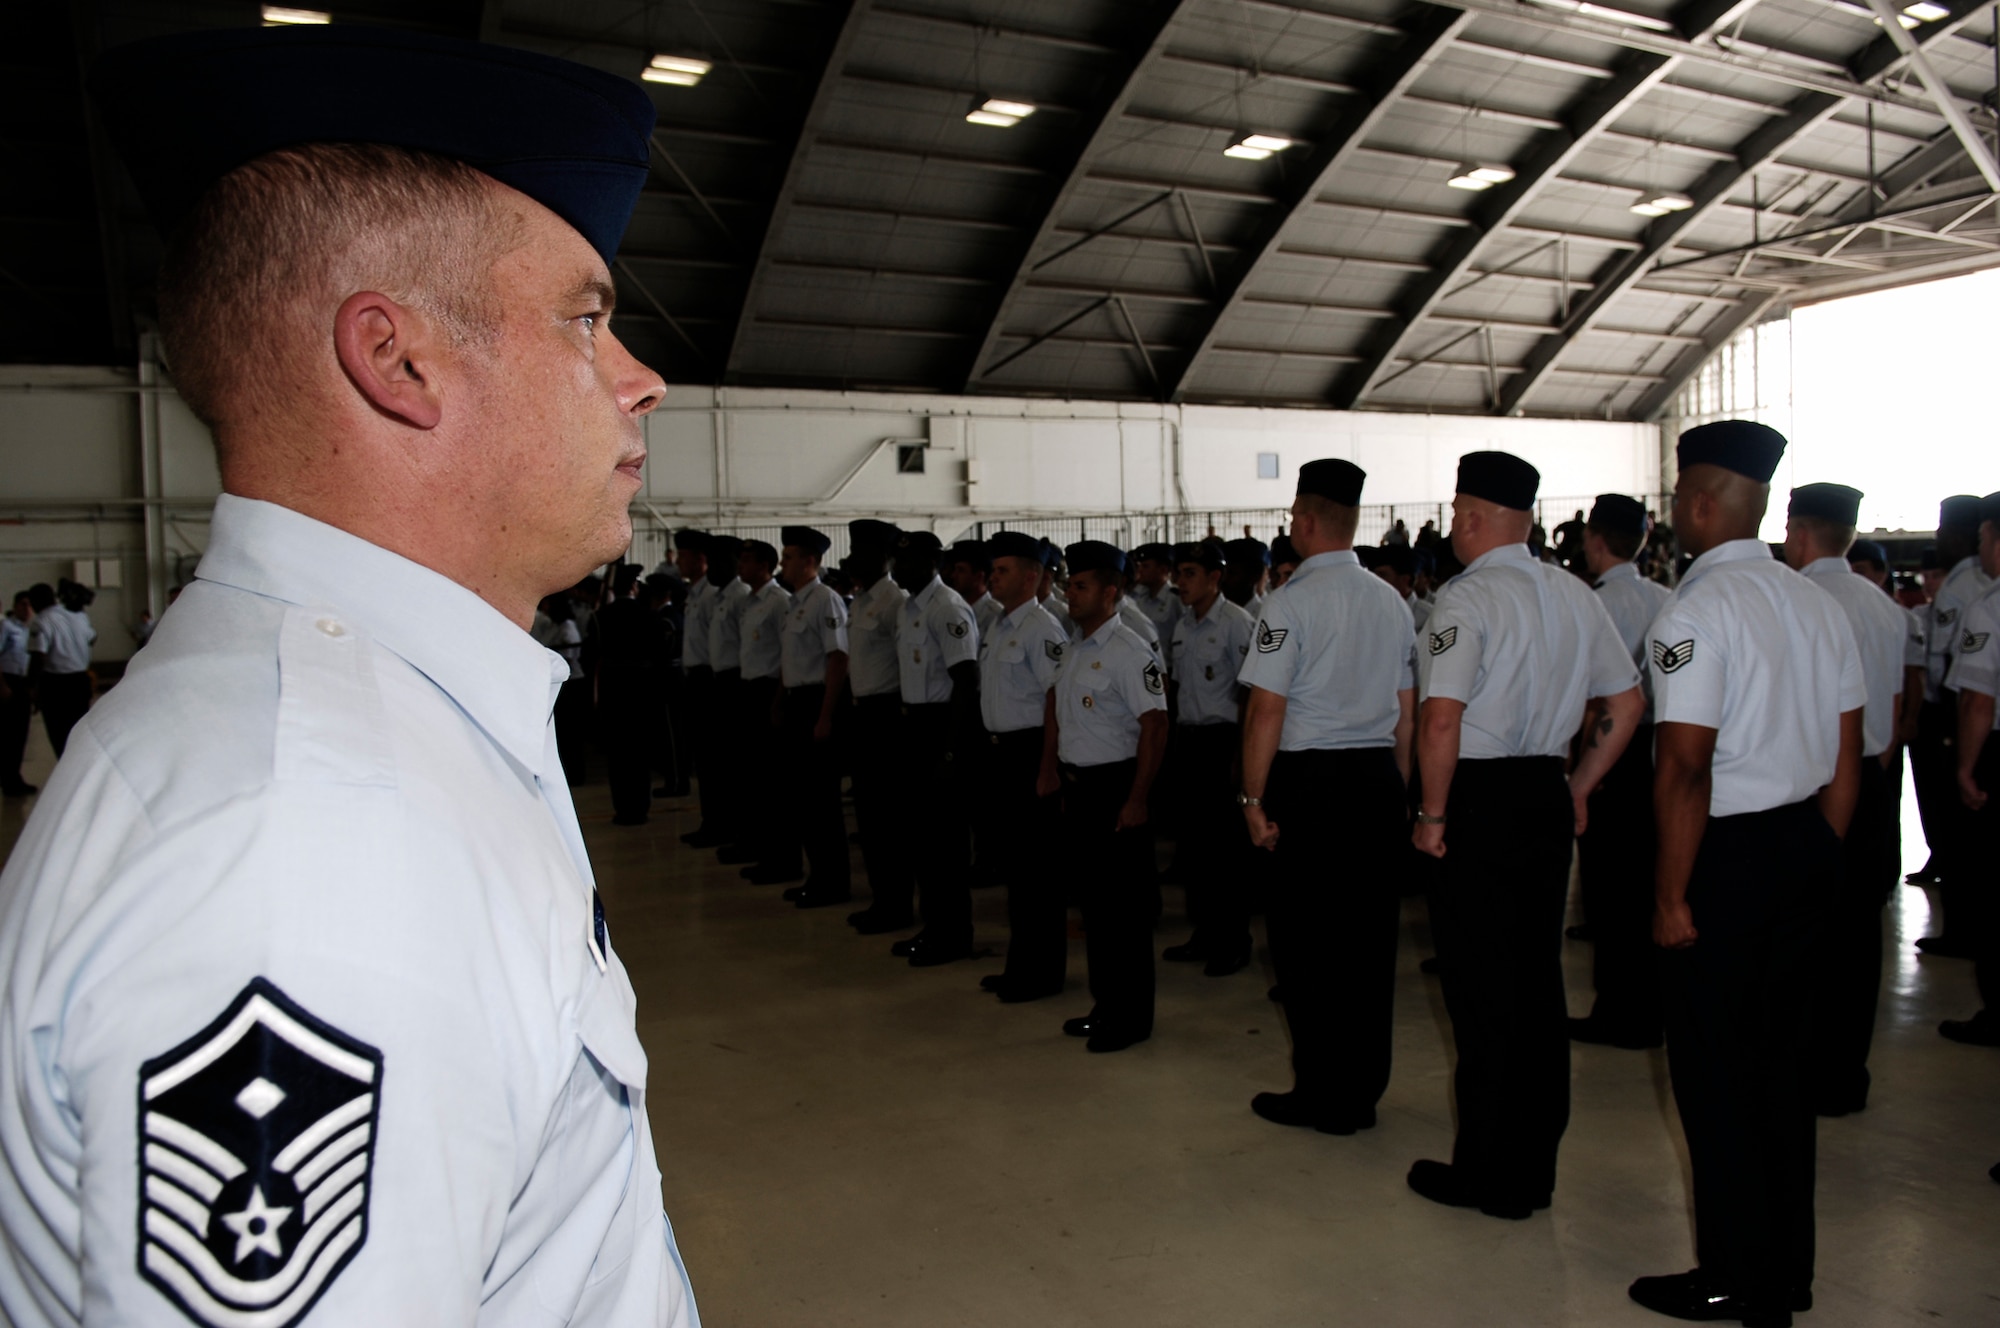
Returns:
<point x="257" y="1139"/>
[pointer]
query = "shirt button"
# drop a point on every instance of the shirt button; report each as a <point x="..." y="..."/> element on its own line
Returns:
<point x="331" y="626"/>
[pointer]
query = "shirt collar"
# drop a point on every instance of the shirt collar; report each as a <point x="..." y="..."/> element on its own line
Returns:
<point x="922" y="599"/>
<point x="1104" y="630"/>
<point x="1506" y="553"/>
<point x="1827" y="567"/>
<point x="1618" y="572"/>
<point x="1729" y="551"/>
<point x="492" y="670"/>
<point x="1020" y="612"/>
<point x="1331" y="558"/>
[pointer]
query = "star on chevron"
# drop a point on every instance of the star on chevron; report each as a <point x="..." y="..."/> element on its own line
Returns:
<point x="256" y="1227"/>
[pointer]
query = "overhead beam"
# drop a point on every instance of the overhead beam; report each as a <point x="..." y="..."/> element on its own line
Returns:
<point x="1553" y="151"/>
<point x="104" y="185"/>
<point x="1690" y="362"/>
<point x="1097" y="125"/>
<point x="1941" y="93"/>
<point x="853" y="14"/>
<point x="1807" y="112"/>
<point x="1425" y="37"/>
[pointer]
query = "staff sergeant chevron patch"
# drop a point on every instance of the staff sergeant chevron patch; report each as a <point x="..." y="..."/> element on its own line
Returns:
<point x="1443" y="641"/>
<point x="257" y="1139"/>
<point x="1669" y="658"/>
<point x="1973" y="642"/>
<point x="1269" y="638"/>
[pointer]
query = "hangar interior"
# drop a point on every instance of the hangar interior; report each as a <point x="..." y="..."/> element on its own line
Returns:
<point x="1118" y="267"/>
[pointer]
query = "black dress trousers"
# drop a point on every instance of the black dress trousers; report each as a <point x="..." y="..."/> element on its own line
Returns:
<point x="1615" y="861"/>
<point x="817" y="831"/>
<point x="699" y="726"/>
<point x="1214" y="857"/>
<point x="1117" y="887"/>
<point x="1334" y="914"/>
<point x="933" y="800"/>
<point x="1847" y="959"/>
<point x="726" y="747"/>
<point x="14" y="712"/>
<point x="757" y="774"/>
<point x="628" y="699"/>
<point x="1982" y="831"/>
<point x="876" y="752"/>
<point x="1497" y="902"/>
<point x="1738" y="1007"/>
<point x="65" y="700"/>
<point x="1932" y="769"/>
<point x="1024" y="826"/>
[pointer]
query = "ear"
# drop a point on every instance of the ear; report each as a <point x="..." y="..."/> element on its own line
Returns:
<point x="392" y="355"/>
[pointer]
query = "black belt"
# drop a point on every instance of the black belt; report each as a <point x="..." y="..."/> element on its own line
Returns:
<point x="925" y="707"/>
<point x="1091" y="774"/>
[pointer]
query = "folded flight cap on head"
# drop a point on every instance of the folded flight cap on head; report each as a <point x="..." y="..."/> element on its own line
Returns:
<point x="1094" y="556"/>
<point x="1837" y="503"/>
<point x="1284" y="551"/>
<point x="1248" y="552"/>
<point x="872" y="536"/>
<point x="1959" y="512"/>
<point x="974" y="552"/>
<point x="1498" y="477"/>
<point x="1867" y="551"/>
<point x="1014" y="544"/>
<point x="919" y="543"/>
<point x="1203" y="555"/>
<point x="724" y="548"/>
<point x="694" y="541"/>
<point x="1618" y="514"/>
<point x="1750" y="449"/>
<point x="1398" y="558"/>
<point x="761" y="550"/>
<point x="186" y="110"/>
<point x="1335" y="480"/>
<point x="1989" y="507"/>
<point x="805" y="537"/>
<point x="1156" y="552"/>
<point x="1051" y="555"/>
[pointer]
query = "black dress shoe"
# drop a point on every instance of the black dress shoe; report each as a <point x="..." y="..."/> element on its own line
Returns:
<point x="1222" y="963"/>
<point x="1083" y="1027"/>
<point x="819" y="896"/>
<point x="735" y="855"/>
<point x="792" y="893"/>
<point x="1600" y="1034"/>
<point x="1982" y="1030"/>
<point x="1295" y="1108"/>
<point x="1101" y="1042"/>
<point x="1441" y="1183"/>
<point x="703" y="838"/>
<point x="1429" y="966"/>
<point x="769" y="873"/>
<point x="929" y="951"/>
<point x="1276" y="993"/>
<point x="993" y="982"/>
<point x="1927" y="874"/>
<point x="1020" y="993"/>
<point x="1190" y="951"/>
<point x="1944" y="947"/>
<point x="871" y="923"/>
<point x="1692" y="1297"/>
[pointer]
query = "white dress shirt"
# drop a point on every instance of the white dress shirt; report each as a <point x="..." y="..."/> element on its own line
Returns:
<point x="1751" y="649"/>
<point x="936" y="634"/>
<point x="815" y="627"/>
<point x="1881" y="630"/>
<point x="13" y="646"/>
<point x="1336" y="642"/>
<point x="696" y="616"/>
<point x="307" y="992"/>
<point x="1962" y="585"/>
<point x="1975" y="664"/>
<point x="1017" y="662"/>
<point x="1632" y="601"/>
<point x="725" y="626"/>
<point x="64" y="636"/>
<point x="871" y="639"/>
<point x="1107" y="680"/>
<point x="1206" y="655"/>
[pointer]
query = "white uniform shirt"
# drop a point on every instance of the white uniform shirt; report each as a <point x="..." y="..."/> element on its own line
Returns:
<point x="725" y="628"/>
<point x="1207" y="654"/>
<point x="1420" y="609"/>
<point x="815" y="628"/>
<point x="1751" y="649"/>
<point x="1142" y="626"/>
<point x="1975" y="664"/>
<point x="1918" y="640"/>
<point x="1881" y="629"/>
<point x="1524" y="644"/>
<point x="1057" y="607"/>
<point x="13" y="646"/>
<point x="1107" y="680"/>
<point x="1633" y="602"/>
<point x="696" y="616"/>
<point x="871" y="639"/>
<point x="308" y="884"/>
<point x="65" y="636"/>
<point x="762" y="630"/>
<point x="1962" y="585"/>
<point x="936" y="634"/>
<point x="1336" y="642"/>
<point x="1017" y="662"/>
<point x="986" y="611"/>
<point x="1162" y="607"/>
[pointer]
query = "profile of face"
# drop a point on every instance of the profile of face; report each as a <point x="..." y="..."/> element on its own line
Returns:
<point x="692" y="564"/>
<point x="967" y="580"/>
<point x="1196" y="583"/>
<point x="912" y="569"/>
<point x="798" y="566"/>
<point x="1933" y="581"/>
<point x="1093" y="595"/>
<point x="1989" y="548"/>
<point x="753" y="569"/>
<point x="1014" y="580"/>
<point x="1151" y="573"/>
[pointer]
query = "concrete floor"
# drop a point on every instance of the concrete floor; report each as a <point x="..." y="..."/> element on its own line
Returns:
<point x="848" y="1141"/>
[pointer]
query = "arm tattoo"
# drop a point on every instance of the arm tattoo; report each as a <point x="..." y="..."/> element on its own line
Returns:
<point x="1600" y="731"/>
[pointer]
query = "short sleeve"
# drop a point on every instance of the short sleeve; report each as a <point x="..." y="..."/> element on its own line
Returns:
<point x="1913" y="641"/>
<point x="1407" y="679"/>
<point x="958" y="631"/>
<point x="1611" y="667"/>
<point x="1975" y="665"/>
<point x="1045" y="660"/>
<point x="1143" y="680"/>
<point x="1241" y="634"/>
<point x="1451" y="650"/>
<point x="1275" y="651"/>
<point x="38" y="637"/>
<point x="831" y="623"/>
<point x="1688" y="671"/>
<point x="1853" y="678"/>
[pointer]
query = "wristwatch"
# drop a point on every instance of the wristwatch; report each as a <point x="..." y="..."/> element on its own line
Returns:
<point x="1425" y="818"/>
<point x="1245" y="800"/>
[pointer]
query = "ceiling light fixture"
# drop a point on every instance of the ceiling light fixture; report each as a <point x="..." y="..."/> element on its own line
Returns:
<point x="680" y="71"/>
<point x="1477" y="176"/>
<point x="1629" y="19"/>
<point x="277" y="16"/>
<point x="1256" y="147"/>
<point x="1925" y="12"/>
<point x="1659" y="205"/>
<point x="1000" y="113"/>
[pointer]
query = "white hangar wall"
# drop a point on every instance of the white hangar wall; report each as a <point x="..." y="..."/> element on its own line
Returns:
<point x="105" y="476"/>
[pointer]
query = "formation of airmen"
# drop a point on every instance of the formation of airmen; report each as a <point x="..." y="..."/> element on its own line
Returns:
<point x="1724" y="756"/>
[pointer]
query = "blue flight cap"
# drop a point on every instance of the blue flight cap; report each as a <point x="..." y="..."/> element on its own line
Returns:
<point x="1094" y="556"/>
<point x="1334" y="479"/>
<point x="1500" y="478"/>
<point x="872" y="536"/>
<point x="812" y="541"/>
<point x="1750" y="449"/>
<point x="186" y="110"/>
<point x="1247" y="550"/>
<point x="1284" y="551"/>
<point x="1014" y="544"/>
<point x="1618" y="514"/>
<point x="1206" y="555"/>
<point x="1867" y="551"/>
<point x="1838" y="503"/>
